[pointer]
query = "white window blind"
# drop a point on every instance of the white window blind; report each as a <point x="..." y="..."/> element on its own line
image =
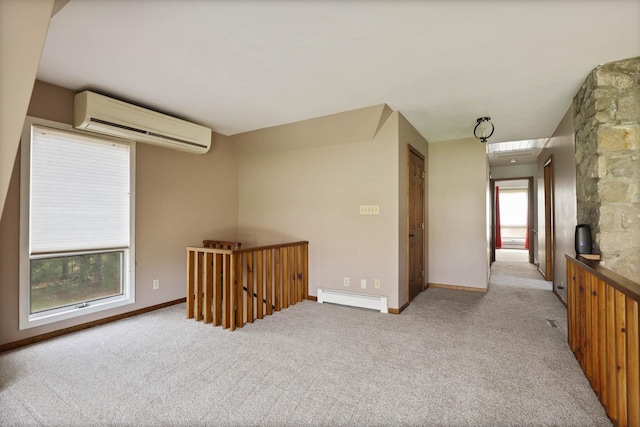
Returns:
<point x="513" y="207"/>
<point x="79" y="192"/>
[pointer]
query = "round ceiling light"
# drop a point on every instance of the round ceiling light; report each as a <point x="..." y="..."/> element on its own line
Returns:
<point x="484" y="129"/>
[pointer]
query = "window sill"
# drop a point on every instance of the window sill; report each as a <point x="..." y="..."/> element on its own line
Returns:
<point x="70" y="312"/>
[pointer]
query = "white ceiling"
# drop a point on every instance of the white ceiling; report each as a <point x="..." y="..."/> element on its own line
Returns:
<point x="237" y="66"/>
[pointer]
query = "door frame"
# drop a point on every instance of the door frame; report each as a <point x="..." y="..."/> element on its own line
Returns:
<point x="549" y="223"/>
<point x="424" y="217"/>
<point x="530" y="212"/>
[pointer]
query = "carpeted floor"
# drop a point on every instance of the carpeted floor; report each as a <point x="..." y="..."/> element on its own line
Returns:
<point x="452" y="358"/>
<point x="512" y="255"/>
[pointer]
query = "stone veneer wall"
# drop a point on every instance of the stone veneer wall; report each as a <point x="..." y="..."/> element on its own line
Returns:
<point x="607" y="124"/>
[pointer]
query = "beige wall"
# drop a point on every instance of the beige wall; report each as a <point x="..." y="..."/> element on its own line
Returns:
<point x="514" y="171"/>
<point x="561" y="147"/>
<point x="457" y="177"/>
<point x="310" y="185"/>
<point x="181" y="199"/>
<point x="356" y="125"/>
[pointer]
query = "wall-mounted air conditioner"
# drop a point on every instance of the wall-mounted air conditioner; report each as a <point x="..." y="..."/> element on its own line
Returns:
<point x="99" y="113"/>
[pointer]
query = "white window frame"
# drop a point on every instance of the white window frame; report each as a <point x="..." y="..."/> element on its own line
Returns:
<point x="28" y="320"/>
<point x="509" y="194"/>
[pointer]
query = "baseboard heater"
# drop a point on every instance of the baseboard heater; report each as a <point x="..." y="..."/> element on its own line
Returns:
<point x="353" y="299"/>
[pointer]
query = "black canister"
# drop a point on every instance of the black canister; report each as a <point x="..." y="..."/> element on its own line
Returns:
<point x="583" y="239"/>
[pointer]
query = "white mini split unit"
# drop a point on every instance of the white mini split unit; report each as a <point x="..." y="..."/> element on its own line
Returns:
<point x="99" y="113"/>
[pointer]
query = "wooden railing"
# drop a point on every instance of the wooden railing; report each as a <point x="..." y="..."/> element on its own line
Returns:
<point x="602" y="310"/>
<point x="230" y="287"/>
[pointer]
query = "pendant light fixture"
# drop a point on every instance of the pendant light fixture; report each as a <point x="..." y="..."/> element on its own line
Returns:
<point x="484" y="129"/>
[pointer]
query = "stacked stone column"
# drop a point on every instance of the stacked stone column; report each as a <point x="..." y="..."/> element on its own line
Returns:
<point x="607" y="123"/>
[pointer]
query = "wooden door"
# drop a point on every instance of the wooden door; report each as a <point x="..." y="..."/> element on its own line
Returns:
<point x="492" y="185"/>
<point x="416" y="224"/>
<point x="548" y="220"/>
<point x="530" y="226"/>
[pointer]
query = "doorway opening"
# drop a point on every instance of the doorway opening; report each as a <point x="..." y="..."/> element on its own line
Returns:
<point x="512" y="219"/>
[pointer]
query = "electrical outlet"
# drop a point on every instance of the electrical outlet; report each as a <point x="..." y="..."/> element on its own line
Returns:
<point x="363" y="283"/>
<point x="346" y="281"/>
<point x="156" y="283"/>
<point x="376" y="283"/>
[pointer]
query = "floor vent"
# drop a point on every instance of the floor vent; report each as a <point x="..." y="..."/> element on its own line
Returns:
<point x="552" y="323"/>
<point x="354" y="299"/>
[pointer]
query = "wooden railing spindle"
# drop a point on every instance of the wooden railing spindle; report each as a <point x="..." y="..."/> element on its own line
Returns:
<point x="190" y="284"/>
<point x="277" y="267"/>
<point x="230" y="286"/>
<point x="285" y="277"/>
<point x="230" y="294"/>
<point x="250" y="292"/>
<point x="299" y="292"/>
<point x="305" y="271"/>
<point x="227" y="293"/>
<point x="208" y="288"/>
<point x="259" y="286"/>
<point x="269" y="280"/>
<point x="292" y="275"/>
<point x="217" y="290"/>
<point x="239" y="291"/>
<point x="199" y="286"/>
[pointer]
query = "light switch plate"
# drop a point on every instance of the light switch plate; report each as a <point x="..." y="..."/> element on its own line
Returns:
<point x="369" y="209"/>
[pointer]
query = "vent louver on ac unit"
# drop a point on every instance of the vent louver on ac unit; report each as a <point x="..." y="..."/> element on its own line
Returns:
<point x="99" y="113"/>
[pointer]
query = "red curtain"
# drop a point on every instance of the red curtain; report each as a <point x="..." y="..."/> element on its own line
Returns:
<point x="498" y="232"/>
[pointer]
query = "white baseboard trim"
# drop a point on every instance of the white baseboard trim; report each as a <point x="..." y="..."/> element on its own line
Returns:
<point x="353" y="299"/>
<point x="458" y="288"/>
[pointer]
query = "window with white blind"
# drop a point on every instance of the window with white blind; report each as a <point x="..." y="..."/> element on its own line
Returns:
<point x="77" y="227"/>
<point x="514" y="207"/>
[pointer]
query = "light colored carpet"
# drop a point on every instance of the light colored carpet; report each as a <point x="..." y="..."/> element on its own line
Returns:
<point x="452" y="358"/>
<point x="512" y="255"/>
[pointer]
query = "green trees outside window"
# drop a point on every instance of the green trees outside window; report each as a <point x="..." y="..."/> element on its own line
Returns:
<point x="63" y="281"/>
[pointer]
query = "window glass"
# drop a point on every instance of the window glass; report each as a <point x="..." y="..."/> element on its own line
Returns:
<point x="513" y="207"/>
<point x="76" y="225"/>
<point x="69" y="280"/>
